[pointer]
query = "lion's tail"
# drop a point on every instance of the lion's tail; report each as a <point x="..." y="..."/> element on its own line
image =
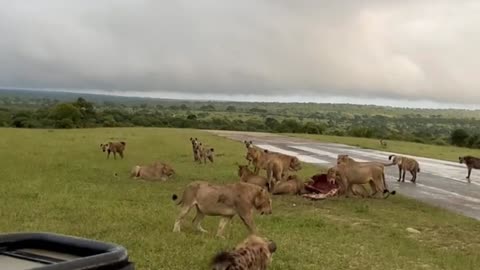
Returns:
<point x="386" y="191"/>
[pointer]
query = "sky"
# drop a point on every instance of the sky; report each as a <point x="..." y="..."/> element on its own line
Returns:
<point x="414" y="53"/>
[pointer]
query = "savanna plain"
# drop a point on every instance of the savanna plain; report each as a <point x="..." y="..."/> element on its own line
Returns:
<point x="60" y="181"/>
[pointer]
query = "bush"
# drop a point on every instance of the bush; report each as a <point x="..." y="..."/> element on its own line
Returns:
<point x="459" y="137"/>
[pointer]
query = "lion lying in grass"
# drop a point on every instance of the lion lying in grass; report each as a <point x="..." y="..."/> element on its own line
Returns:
<point x="293" y="185"/>
<point x="156" y="171"/>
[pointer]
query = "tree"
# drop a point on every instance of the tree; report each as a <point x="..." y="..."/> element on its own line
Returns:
<point x="66" y="115"/>
<point x="231" y="109"/>
<point x="207" y="108"/>
<point x="313" y="128"/>
<point x="459" y="137"/>
<point x="473" y="141"/>
<point x="192" y="117"/>
<point x="272" y="123"/>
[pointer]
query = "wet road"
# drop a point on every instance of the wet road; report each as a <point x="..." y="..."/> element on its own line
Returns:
<point x="440" y="183"/>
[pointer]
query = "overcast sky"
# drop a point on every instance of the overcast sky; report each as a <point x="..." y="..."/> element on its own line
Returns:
<point x="398" y="51"/>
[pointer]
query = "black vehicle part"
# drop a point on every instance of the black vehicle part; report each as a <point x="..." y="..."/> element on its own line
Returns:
<point x="48" y="251"/>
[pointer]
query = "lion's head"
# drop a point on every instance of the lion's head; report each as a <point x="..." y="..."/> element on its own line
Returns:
<point x="242" y="169"/>
<point x="332" y="175"/>
<point x="168" y="170"/>
<point x="295" y="164"/>
<point x="263" y="202"/>
<point x="343" y="159"/>
<point x="252" y="154"/>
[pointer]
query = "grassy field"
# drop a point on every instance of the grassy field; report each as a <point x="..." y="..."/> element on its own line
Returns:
<point x="60" y="181"/>
<point x="450" y="153"/>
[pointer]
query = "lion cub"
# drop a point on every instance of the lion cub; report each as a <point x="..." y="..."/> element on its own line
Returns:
<point x="253" y="253"/>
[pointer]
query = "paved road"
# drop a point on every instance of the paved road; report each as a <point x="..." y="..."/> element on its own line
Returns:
<point x="441" y="183"/>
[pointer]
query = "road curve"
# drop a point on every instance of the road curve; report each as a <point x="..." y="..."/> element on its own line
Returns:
<point x="440" y="183"/>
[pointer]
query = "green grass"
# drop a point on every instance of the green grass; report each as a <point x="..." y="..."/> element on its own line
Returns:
<point x="60" y="181"/>
<point x="450" y="153"/>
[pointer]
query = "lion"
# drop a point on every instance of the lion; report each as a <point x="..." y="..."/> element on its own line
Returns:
<point x="258" y="157"/>
<point x="156" y="171"/>
<point x="246" y="175"/>
<point x="278" y="166"/>
<point x="293" y="185"/>
<point x="350" y="175"/>
<point x="347" y="159"/>
<point x="226" y="200"/>
<point x="471" y="162"/>
<point x="405" y="164"/>
<point x="113" y="147"/>
<point x="253" y="253"/>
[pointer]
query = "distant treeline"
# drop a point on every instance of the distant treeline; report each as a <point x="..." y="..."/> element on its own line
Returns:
<point x="47" y="113"/>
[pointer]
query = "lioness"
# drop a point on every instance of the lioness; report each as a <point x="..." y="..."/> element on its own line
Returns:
<point x="156" y="171"/>
<point x="278" y="166"/>
<point x="293" y="185"/>
<point x="405" y="164"/>
<point x="258" y="157"/>
<point x="249" y="177"/>
<point x="253" y="253"/>
<point x="347" y="159"/>
<point x="471" y="162"/>
<point x="354" y="174"/>
<point x="223" y="200"/>
<point x="113" y="147"/>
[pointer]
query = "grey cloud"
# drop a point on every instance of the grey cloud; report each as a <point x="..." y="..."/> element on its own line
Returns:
<point x="392" y="49"/>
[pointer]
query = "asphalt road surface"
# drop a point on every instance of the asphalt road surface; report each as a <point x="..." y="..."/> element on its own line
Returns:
<point x="440" y="183"/>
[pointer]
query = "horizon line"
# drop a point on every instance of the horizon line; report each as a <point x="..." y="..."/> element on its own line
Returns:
<point x="340" y="100"/>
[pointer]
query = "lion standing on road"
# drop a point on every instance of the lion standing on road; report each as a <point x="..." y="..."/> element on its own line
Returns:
<point x="350" y="174"/>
